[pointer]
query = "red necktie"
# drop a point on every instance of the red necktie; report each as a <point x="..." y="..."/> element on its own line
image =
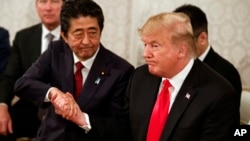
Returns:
<point x="160" y="113"/>
<point x="78" y="79"/>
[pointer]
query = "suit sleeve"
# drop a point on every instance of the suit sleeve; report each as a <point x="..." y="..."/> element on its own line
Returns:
<point x="34" y="84"/>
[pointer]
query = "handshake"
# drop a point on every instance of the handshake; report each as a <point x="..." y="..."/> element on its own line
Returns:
<point x="66" y="106"/>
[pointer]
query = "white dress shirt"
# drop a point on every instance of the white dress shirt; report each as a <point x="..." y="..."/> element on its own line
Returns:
<point x="177" y="81"/>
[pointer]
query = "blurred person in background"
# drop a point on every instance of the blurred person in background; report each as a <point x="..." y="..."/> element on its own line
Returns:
<point x="4" y="48"/>
<point x="21" y="119"/>
<point x="205" y="51"/>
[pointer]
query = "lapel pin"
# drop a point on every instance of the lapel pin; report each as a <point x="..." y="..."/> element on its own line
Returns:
<point x="97" y="81"/>
<point x="187" y="96"/>
<point x="102" y="73"/>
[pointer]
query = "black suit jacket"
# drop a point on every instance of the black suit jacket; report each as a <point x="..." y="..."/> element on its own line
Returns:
<point x="226" y="69"/>
<point x="26" y="49"/>
<point x="207" y="113"/>
<point x="101" y="96"/>
<point x="4" y="48"/>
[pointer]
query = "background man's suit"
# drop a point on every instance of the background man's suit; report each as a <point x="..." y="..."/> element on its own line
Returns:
<point x="4" y="48"/>
<point x="26" y="49"/>
<point x="101" y="94"/>
<point x="205" y="100"/>
<point x="225" y="68"/>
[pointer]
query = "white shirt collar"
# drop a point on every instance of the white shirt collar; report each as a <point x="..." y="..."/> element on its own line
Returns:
<point x="45" y="31"/>
<point x="204" y="54"/>
<point x="55" y="32"/>
<point x="179" y="78"/>
<point x="88" y="63"/>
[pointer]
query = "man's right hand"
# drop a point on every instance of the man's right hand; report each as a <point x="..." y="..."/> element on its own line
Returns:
<point x="5" y="121"/>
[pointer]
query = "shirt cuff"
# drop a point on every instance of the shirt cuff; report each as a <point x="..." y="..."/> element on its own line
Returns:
<point x="46" y="99"/>
<point x="4" y="104"/>
<point x="88" y="126"/>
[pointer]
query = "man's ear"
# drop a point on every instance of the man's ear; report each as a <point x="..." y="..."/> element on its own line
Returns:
<point x="203" y="39"/>
<point x="202" y="43"/>
<point x="64" y="37"/>
<point x="182" y="51"/>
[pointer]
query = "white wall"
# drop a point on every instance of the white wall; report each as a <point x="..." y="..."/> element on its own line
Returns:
<point x="229" y="22"/>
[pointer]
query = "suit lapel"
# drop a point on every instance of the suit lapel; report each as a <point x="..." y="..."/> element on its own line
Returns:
<point x="36" y="43"/>
<point x="184" y="97"/>
<point x="151" y="89"/>
<point x="97" y="74"/>
<point x="32" y="46"/>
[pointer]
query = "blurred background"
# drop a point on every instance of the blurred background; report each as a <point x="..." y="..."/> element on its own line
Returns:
<point x="229" y="30"/>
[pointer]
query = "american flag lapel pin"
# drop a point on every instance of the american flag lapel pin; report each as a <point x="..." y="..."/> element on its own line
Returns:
<point x="187" y="96"/>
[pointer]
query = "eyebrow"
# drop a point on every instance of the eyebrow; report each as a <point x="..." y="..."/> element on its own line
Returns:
<point x="92" y="28"/>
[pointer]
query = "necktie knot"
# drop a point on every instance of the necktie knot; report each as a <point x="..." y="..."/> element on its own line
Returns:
<point x="79" y="66"/>
<point x="166" y="84"/>
<point x="50" y="37"/>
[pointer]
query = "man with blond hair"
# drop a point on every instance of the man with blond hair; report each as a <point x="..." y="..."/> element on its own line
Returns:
<point x="174" y="96"/>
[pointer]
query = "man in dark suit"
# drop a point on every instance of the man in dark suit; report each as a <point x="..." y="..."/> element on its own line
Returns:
<point x="205" y="51"/>
<point x="201" y="103"/>
<point x="28" y="45"/>
<point x="50" y="81"/>
<point x="4" y="48"/>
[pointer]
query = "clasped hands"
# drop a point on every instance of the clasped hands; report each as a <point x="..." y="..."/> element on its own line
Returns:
<point x="66" y="106"/>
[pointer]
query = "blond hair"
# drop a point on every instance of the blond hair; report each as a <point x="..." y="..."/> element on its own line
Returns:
<point x="177" y="27"/>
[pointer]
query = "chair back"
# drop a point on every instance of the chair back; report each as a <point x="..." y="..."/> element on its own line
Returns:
<point x="245" y="106"/>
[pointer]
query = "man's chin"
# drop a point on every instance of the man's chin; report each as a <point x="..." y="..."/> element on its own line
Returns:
<point x="151" y="69"/>
<point x="50" y="22"/>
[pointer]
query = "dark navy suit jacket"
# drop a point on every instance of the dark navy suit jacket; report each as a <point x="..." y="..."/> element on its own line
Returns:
<point x="102" y="95"/>
<point x="4" y="48"/>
